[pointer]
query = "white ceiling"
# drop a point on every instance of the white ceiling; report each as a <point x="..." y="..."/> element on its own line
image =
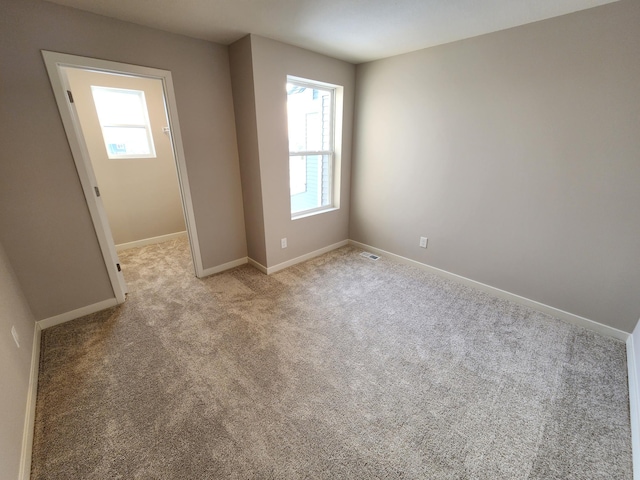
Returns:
<point x="352" y="30"/>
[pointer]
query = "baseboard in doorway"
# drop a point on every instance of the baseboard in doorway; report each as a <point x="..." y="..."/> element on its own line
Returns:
<point x="150" y="241"/>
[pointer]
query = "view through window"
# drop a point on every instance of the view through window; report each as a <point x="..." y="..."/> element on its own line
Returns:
<point x="310" y="112"/>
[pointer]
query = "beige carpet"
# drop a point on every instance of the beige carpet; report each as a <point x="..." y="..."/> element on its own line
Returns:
<point x="341" y="367"/>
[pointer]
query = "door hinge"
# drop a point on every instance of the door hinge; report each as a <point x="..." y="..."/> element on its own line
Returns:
<point x="97" y="191"/>
<point x="118" y="266"/>
<point x="70" y="95"/>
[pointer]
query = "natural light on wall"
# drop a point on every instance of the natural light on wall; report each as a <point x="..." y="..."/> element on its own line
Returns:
<point x="125" y="122"/>
<point x="311" y="121"/>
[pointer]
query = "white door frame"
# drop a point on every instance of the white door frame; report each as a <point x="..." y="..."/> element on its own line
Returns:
<point x="55" y="64"/>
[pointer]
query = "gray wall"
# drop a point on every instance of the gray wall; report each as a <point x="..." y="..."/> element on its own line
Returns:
<point x="518" y="154"/>
<point x="271" y="62"/>
<point x="141" y="196"/>
<point x="244" y="102"/>
<point x="44" y="221"/>
<point x="16" y="365"/>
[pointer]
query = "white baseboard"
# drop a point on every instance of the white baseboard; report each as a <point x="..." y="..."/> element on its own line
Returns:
<point x="257" y="265"/>
<point x="73" y="314"/>
<point x="225" y="266"/>
<point x="150" y="241"/>
<point x="300" y="259"/>
<point x="634" y="406"/>
<point x="634" y="400"/>
<point x="541" y="307"/>
<point x="30" y="414"/>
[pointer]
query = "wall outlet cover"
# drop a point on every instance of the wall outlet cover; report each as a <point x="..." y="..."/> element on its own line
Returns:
<point x="423" y="242"/>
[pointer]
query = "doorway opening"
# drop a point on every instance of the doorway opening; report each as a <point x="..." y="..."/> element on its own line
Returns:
<point x="122" y="125"/>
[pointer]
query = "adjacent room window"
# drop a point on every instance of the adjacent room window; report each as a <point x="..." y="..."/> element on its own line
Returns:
<point x="124" y="120"/>
<point x="311" y="119"/>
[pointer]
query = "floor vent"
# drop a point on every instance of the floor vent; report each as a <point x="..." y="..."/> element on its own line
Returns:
<point x="370" y="255"/>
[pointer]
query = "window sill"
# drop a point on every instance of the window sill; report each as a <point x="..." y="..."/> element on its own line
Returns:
<point x="298" y="216"/>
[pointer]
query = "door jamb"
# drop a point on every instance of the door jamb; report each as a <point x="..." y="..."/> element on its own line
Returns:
<point x="54" y="62"/>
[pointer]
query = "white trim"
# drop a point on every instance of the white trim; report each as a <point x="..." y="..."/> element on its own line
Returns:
<point x="306" y="82"/>
<point x="634" y="406"/>
<point x="311" y="213"/>
<point x="300" y="259"/>
<point x="541" y="307"/>
<point x="77" y="313"/>
<point x="150" y="241"/>
<point x="30" y="414"/>
<point x="146" y="124"/>
<point x="334" y="136"/>
<point x="225" y="266"/>
<point x="183" y="179"/>
<point x="257" y="265"/>
<point x="55" y="64"/>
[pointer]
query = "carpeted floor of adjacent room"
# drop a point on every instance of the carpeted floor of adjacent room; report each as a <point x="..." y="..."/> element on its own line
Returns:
<point x="341" y="367"/>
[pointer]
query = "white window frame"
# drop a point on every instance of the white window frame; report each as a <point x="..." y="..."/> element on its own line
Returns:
<point x="146" y="125"/>
<point x="335" y="91"/>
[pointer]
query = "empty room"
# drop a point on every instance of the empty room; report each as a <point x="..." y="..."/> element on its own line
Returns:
<point x="341" y="239"/>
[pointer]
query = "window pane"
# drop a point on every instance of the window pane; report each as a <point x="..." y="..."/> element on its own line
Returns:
<point x="118" y="106"/>
<point x="317" y="182"/>
<point x="309" y="114"/>
<point x="310" y="117"/>
<point x="297" y="175"/>
<point x="126" y="141"/>
<point x="124" y="120"/>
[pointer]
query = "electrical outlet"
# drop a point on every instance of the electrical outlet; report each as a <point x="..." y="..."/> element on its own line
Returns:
<point x="14" y="333"/>
<point x="283" y="243"/>
<point x="423" y="242"/>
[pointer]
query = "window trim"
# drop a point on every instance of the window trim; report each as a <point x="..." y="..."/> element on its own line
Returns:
<point x="332" y="153"/>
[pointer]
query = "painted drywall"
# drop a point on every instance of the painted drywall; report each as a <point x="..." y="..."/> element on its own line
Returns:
<point x="518" y="155"/>
<point x="244" y="103"/>
<point x="141" y="196"/>
<point x="271" y="62"/>
<point x="16" y="365"/>
<point x="44" y="220"/>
